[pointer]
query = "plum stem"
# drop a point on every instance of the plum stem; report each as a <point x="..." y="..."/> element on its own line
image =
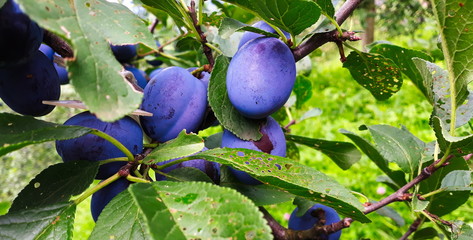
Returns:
<point x="118" y="159"/>
<point x="97" y="187"/>
<point x="115" y="142"/>
<point x="136" y="179"/>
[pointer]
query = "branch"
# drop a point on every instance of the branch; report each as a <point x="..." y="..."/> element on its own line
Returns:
<point x="58" y="44"/>
<point x="320" y="39"/>
<point x="207" y="49"/>
<point x="412" y="229"/>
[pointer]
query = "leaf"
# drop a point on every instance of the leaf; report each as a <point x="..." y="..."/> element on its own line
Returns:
<point x="393" y="214"/>
<point x="398" y="146"/>
<point x="47" y="222"/>
<point x="436" y="80"/>
<point x="171" y="7"/>
<point x="183" y="145"/>
<point x="292" y="151"/>
<point x="302" y="205"/>
<point x="4" y="206"/>
<point x="293" y="16"/>
<point x="289" y="176"/>
<point x="261" y="195"/>
<point x="314" y="112"/>
<point x="419" y="205"/>
<point x="447" y="201"/>
<point x="214" y="140"/>
<point x="19" y="131"/>
<point x="455" y="23"/>
<point x="230" y="26"/>
<point x="464" y="232"/>
<point x="326" y="6"/>
<point x="375" y="156"/>
<point x="425" y="233"/>
<point x="57" y="183"/>
<point x="459" y="145"/>
<point x="374" y="72"/>
<point x="183" y="174"/>
<point x="342" y="153"/>
<point x="226" y="113"/>
<point x="2" y="2"/>
<point x="458" y="180"/>
<point x="402" y="57"/>
<point x="94" y="71"/>
<point x="303" y="90"/>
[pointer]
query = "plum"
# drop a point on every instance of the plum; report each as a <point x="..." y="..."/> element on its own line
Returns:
<point x="61" y="72"/>
<point x="124" y="53"/>
<point x="140" y="76"/>
<point x="310" y="218"/>
<point x="247" y="36"/>
<point x="273" y="142"/>
<point x="47" y="50"/>
<point x="260" y="77"/>
<point x="24" y="87"/>
<point x="155" y="62"/>
<point x="20" y="36"/>
<point x="102" y="197"/>
<point x="155" y="72"/>
<point x="212" y="169"/>
<point x="177" y="101"/>
<point x="93" y="148"/>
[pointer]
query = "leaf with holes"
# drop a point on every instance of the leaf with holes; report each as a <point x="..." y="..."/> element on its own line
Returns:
<point x="94" y="71"/>
<point x="455" y="20"/>
<point x="226" y="113"/>
<point x="380" y="75"/>
<point x="292" y="16"/>
<point x="342" y="153"/>
<point x="402" y="57"/>
<point x="20" y="131"/>
<point x="289" y="176"/>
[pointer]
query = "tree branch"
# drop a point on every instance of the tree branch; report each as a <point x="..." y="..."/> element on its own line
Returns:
<point x="412" y="229"/>
<point x="207" y="50"/>
<point x="58" y="44"/>
<point x="320" y="39"/>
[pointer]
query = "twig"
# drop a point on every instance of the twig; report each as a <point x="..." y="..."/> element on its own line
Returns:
<point x="153" y="26"/>
<point x="414" y="226"/>
<point x="207" y="50"/>
<point x="437" y="218"/>
<point x="160" y="48"/>
<point x="320" y="39"/>
<point x="58" y="44"/>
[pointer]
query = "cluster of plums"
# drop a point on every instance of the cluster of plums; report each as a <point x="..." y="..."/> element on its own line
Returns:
<point x="27" y="75"/>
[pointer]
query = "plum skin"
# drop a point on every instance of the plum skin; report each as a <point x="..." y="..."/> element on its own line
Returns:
<point x="124" y="53"/>
<point x="140" y="76"/>
<point x="260" y="77"/>
<point x="307" y="221"/>
<point x="177" y="100"/>
<point x="93" y="148"/>
<point x="102" y="197"/>
<point x="24" y="87"/>
<point x="272" y="132"/>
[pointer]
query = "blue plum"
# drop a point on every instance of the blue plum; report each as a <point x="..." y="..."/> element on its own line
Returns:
<point x="155" y="72"/>
<point x="102" y="197"/>
<point x="260" y="77"/>
<point x="247" y="36"/>
<point x="273" y="142"/>
<point x="20" y="36"/>
<point x="140" y="76"/>
<point x="47" y="50"/>
<point x="124" y="53"/>
<point x="212" y="169"/>
<point x="177" y="100"/>
<point x="155" y="62"/>
<point x="24" y="87"/>
<point x="93" y="148"/>
<point x="310" y="218"/>
<point x="61" y="72"/>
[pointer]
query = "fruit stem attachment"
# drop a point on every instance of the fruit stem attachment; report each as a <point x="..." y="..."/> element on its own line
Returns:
<point x="118" y="159"/>
<point x="97" y="187"/>
<point x="115" y="142"/>
<point x="279" y="31"/>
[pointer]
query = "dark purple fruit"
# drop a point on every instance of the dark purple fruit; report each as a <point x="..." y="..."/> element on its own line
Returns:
<point x="93" y="148"/>
<point x="311" y="217"/>
<point x="24" y="87"/>
<point x="140" y="76"/>
<point x="102" y="197"/>
<point x="124" y="53"/>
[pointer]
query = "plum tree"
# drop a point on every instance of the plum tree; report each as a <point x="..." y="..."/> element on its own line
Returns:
<point x="93" y="148"/>
<point x="21" y="37"/>
<point x="140" y="76"/>
<point x="273" y="142"/>
<point x="124" y="53"/>
<point x="177" y="100"/>
<point x="35" y="81"/>
<point x="247" y="36"/>
<point x="101" y="198"/>
<point x="313" y="217"/>
<point x="257" y="69"/>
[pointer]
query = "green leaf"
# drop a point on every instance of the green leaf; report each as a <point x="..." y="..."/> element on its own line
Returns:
<point x="19" y="131"/>
<point x="303" y="205"/>
<point x="380" y="75"/>
<point x="293" y="16"/>
<point x="314" y="112"/>
<point x="342" y="153"/>
<point x="183" y="145"/>
<point x="226" y="113"/>
<point x="4" y="206"/>
<point x="261" y="195"/>
<point x="303" y="90"/>
<point x="230" y="26"/>
<point x="459" y="145"/>
<point x="436" y="80"/>
<point x="94" y="71"/>
<point x="183" y="174"/>
<point x="191" y="210"/>
<point x="326" y="6"/>
<point x="419" y="205"/>
<point x="455" y="23"/>
<point x="425" y="233"/>
<point x="56" y="183"/>
<point x="46" y="222"/>
<point x="392" y="214"/>
<point x="446" y="201"/>
<point x="214" y="140"/>
<point x="375" y="156"/>
<point x="464" y="232"/>
<point x="171" y="7"/>
<point x="2" y="2"/>
<point x="458" y="180"/>
<point x="289" y="176"/>
<point x="402" y="57"/>
<point x="292" y="151"/>
<point x="398" y="146"/>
